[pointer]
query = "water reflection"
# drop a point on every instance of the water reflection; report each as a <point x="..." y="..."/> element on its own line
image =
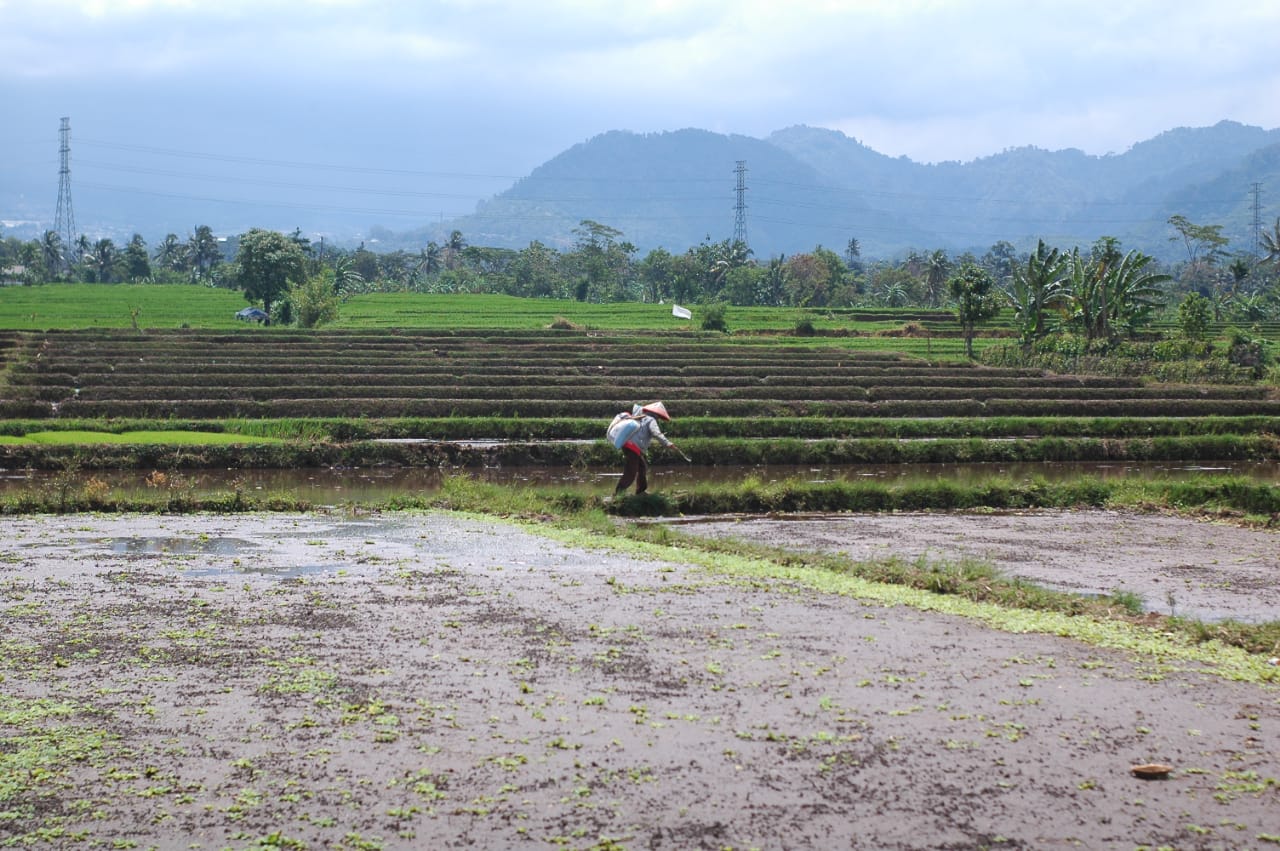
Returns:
<point x="330" y="486"/>
<point x="201" y="545"/>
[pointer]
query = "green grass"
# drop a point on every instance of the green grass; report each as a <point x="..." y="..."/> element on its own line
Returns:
<point x="76" y="437"/>
<point x="70" y="306"/>
<point x="166" y="306"/>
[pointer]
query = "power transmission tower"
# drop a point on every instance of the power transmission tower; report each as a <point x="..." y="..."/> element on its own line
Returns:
<point x="740" y="205"/>
<point x="65" y="220"/>
<point x="1257" y="217"/>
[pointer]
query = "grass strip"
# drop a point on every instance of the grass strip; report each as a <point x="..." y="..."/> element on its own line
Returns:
<point x="75" y="437"/>
<point x="1257" y="501"/>
<point x="1167" y="645"/>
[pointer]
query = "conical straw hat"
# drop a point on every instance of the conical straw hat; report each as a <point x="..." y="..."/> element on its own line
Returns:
<point x="658" y="409"/>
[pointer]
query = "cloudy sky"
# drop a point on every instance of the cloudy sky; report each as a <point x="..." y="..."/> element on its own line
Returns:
<point x="479" y="92"/>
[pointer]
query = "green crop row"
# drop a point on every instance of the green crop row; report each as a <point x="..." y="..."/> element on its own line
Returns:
<point x="164" y="453"/>
<point x="942" y="494"/>
<point x="603" y="407"/>
<point x="552" y="394"/>
<point x="817" y="382"/>
<point x="345" y="430"/>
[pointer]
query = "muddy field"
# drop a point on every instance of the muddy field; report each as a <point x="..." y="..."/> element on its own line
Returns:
<point x="424" y="680"/>
<point x="1208" y="571"/>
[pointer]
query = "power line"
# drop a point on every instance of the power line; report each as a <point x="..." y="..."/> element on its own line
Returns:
<point x="229" y="158"/>
<point x="356" y="169"/>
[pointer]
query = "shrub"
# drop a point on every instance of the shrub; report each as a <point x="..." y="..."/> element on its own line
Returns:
<point x="314" y="301"/>
<point x="804" y="328"/>
<point x="713" y="317"/>
<point x="1248" y="352"/>
<point x="1193" y="316"/>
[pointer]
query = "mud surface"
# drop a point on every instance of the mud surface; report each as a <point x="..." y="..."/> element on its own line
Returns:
<point x="1178" y="566"/>
<point x="418" y="681"/>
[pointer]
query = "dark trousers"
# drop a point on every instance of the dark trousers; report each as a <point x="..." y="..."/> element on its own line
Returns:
<point x="634" y="471"/>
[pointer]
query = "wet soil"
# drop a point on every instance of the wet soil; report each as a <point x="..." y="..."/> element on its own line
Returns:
<point x="424" y="680"/>
<point x="1177" y="566"/>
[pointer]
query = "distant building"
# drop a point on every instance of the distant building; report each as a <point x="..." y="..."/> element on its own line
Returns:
<point x="13" y="275"/>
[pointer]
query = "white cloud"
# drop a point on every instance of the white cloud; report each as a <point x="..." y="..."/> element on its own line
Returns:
<point x="931" y="79"/>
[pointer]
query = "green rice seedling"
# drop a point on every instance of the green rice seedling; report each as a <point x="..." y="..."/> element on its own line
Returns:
<point x="1128" y="601"/>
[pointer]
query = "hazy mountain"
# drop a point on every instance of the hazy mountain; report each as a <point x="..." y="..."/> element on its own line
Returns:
<point x="1065" y="197"/>
<point x="804" y="187"/>
<point x="809" y="186"/>
<point x="674" y="190"/>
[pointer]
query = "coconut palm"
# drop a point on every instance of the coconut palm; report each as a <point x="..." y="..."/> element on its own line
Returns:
<point x="453" y="249"/>
<point x="169" y="253"/>
<point x="103" y="260"/>
<point x="51" y="252"/>
<point x="936" y="269"/>
<point x="1270" y="242"/>
<point x="429" y="260"/>
<point x="203" y="252"/>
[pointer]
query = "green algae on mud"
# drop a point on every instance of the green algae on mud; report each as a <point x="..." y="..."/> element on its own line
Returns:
<point x="1167" y="650"/>
<point x="486" y="685"/>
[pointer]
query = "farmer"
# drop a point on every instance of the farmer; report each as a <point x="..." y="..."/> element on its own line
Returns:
<point x="645" y="429"/>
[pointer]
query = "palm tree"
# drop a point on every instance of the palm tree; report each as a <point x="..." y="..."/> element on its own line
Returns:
<point x="1253" y="307"/>
<point x="345" y="276"/>
<point x="1135" y="292"/>
<point x="937" y="268"/>
<point x="1037" y="287"/>
<point x="1110" y="295"/>
<point x="853" y="254"/>
<point x="51" y="252"/>
<point x="103" y="259"/>
<point x="169" y="254"/>
<point x="203" y="252"/>
<point x="1270" y="241"/>
<point x="429" y="260"/>
<point x="453" y="249"/>
<point x="893" y="294"/>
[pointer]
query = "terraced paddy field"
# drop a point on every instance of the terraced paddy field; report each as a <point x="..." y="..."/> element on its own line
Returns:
<point x="545" y="396"/>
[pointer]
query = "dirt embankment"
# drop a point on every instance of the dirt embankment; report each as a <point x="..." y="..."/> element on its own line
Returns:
<point x="427" y="681"/>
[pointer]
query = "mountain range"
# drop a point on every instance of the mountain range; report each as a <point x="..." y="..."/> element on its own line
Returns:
<point x="802" y="187"/>
<point x="806" y="186"/>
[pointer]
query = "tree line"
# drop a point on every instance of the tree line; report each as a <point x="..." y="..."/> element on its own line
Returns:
<point x="1102" y="292"/>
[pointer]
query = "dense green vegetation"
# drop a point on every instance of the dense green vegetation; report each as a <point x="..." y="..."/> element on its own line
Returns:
<point x="1102" y="291"/>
